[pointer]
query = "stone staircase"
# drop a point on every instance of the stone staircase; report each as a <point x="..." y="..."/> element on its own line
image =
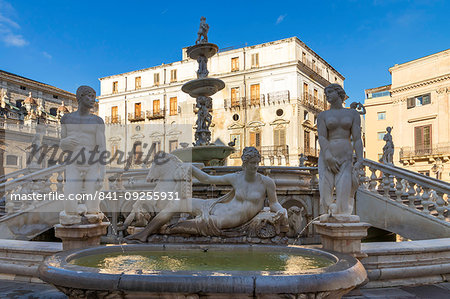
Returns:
<point x="404" y="202"/>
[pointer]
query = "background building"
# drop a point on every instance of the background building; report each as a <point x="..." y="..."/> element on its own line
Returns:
<point x="416" y="105"/>
<point x="273" y="93"/>
<point x="24" y="103"/>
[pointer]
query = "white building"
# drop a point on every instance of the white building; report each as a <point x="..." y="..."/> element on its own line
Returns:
<point x="273" y="93"/>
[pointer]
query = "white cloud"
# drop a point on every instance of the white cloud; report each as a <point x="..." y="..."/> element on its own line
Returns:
<point x="16" y="40"/>
<point x="47" y="55"/>
<point x="280" y="19"/>
<point x="8" y="27"/>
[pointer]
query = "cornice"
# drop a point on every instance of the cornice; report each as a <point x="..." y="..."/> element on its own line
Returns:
<point x="420" y="84"/>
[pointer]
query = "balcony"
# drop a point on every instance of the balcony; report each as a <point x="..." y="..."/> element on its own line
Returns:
<point x="313" y="102"/>
<point x="140" y="116"/>
<point x="155" y="114"/>
<point x="278" y="97"/>
<point x="275" y="150"/>
<point x="114" y="119"/>
<point x="234" y="103"/>
<point x="257" y="101"/>
<point x="439" y="150"/>
<point x="313" y="71"/>
<point x="309" y="151"/>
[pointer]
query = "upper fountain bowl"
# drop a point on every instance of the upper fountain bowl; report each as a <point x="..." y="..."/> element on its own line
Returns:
<point x="202" y="49"/>
<point x="203" y="87"/>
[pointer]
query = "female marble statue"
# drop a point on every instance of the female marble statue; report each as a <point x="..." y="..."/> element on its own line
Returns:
<point x="229" y="211"/>
<point x="337" y="128"/>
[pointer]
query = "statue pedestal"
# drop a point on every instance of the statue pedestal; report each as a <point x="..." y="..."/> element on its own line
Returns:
<point x="344" y="237"/>
<point x="81" y="235"/>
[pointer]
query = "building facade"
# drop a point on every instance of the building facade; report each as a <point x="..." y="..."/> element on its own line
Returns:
<point x="273" y="93"/>
<point x="25" y="103"/>
<point x="416" y="104"/>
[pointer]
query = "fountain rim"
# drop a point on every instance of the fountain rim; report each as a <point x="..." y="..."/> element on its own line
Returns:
<point x="57" y="270"/>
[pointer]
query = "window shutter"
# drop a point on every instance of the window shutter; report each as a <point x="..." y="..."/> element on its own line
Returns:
<point x="276" y="137"/>
<point x="252" y="139"/>
<point x="282" y="137"/>
<point x="411" y="103"/>
<point x="418" y="140"/>
<point x="258" y="139"/>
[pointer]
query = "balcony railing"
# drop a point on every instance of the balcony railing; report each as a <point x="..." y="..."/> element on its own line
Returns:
<point x="271" y="98"/>
<point x="408" y="152"/>
<point x="309" y="151"/>
<point x="155" y="114"/>
<point x="275" y="150"/>
<point x="313" y="102"/>
<point x="278" y="97"/>
<point x="136" y="116"/>
<point x="113" y="119"/>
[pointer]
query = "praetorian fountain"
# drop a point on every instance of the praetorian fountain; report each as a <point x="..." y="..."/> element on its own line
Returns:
<point x="212" y="267"/>
<point x="202" y="89"/>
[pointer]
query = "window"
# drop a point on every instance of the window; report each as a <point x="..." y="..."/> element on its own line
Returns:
<point x="255" y="60"/>
<point x="137" y="82"/>
<point x="137" y="109"/>
<point x="304" y="57"/>
<point x="422" y="139"/>
<point x="305" y="89"/>
<point x="314" y="65"/>
<point x="381" y="135"/>
<point x="235" y="64"/>
<point x="55" y="96"/>
<point x="12" y="160"/>
<point x="53" y="111"/>
<point x="235" y="97"/>
<point x="19" y="103"/>
<point x="156" y="107"/>
<point x="305" y="115"/>
<point x="254" y="94"/>
<point x="114" y="149"/>
<point x="173" y="144"/>
<point x="306" y="141"/>
<point x="235" y="117"/>
<point x="114" y="114"/>
<point x="156" y="145"/>
<point x="279" y="136"/>
<point x="173" y="75"/>
<point x="156" y="78"/>
<point x="316" y="96"/>
<point x="173" y="106"/>
<point x="137" y="150"/>
<point x="255" y="139"/>
<point x="418" y="101"/>
<point x="23" y="87"/>
<point x="115" y="87"/>
<point x="279" y="112"/>
<point x="381" y="115"/>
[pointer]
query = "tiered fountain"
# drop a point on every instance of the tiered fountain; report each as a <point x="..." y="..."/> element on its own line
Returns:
<point x="202" y="89"/>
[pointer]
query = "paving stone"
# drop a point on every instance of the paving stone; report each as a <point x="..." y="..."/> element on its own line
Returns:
<point x="428" y="291"/>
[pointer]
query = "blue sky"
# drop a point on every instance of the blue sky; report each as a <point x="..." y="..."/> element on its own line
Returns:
<point x="72" y="43"/>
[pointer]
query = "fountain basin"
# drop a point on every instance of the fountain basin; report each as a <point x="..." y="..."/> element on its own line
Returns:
<point x="209" y="155"/>
<point x="343" y="274"/>
<point x="203" y="49"/>
<point x="203" y="87"/>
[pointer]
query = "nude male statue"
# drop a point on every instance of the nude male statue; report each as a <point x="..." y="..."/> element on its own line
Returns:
<point x="83" y="137"/>
<point x="202" y="31"/>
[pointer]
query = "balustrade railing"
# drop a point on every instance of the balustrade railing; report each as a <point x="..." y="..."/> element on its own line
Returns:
<point x="114" y="119"/>
<point x="140" y="116"/>
<point x="155" y="114"/>
<point x="441" y="149"/>
<point x="278" y="97"/>
<point x="275" y="150"/>
<point x="416" y="191"/>
<point x="313" y="102"/>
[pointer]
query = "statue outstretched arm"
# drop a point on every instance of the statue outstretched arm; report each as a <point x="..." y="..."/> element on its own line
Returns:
<point x="274" y="205"/>
<point x="212" y="179"/>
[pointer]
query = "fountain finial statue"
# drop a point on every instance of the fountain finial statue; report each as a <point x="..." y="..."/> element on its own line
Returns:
<point x="202" y="31"/>
<point x="229" y="211"/>
<point x="336" y="128"/>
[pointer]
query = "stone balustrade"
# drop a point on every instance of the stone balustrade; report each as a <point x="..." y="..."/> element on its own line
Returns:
<point x="413" y="190"/>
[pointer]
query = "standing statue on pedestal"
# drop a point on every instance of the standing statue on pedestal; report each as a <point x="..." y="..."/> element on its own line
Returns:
<point x="336" y="128"/>
<point x="388" y="148"/>
<point x="83" y="138"/>
<point x="202" y="31"/>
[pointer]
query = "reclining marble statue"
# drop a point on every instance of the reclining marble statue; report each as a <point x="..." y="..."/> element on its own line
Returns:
<point x="339" y="132"/>
<point x="82" y="133"/>
<point x="214" y="217"/>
